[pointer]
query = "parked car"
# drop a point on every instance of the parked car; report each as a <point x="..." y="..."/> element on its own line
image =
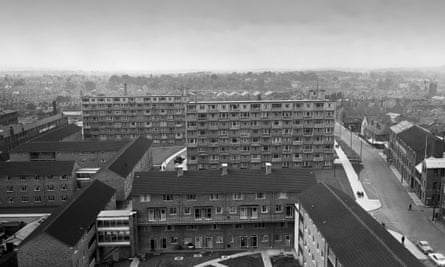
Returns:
<point x="437" y="258"/>
<point x="425" y="247"/>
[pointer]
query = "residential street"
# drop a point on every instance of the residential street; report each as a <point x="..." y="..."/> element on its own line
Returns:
<point x="380" y="182"/>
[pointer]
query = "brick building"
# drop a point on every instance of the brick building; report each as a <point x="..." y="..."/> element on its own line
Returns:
<point x="247" y="134"/>
<point x="69" y="132"/>
<point x="332" y="230"/>
<point x="210" y="209"/>
<point x="36" y="184"/>
<point x="87" y="154"/>
<point x="430" y="171"/>
<point x="14" y="135"/>
<point x="69" y="236"/>
<point x="160" y="118"/>
<point x="8" y="117"/>
<point x="119" y="172"/>
<point x="409" y="144"/>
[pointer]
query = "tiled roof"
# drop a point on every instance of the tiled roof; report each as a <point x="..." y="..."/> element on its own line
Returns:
<point x="211" y="181"/>
<point x="354" y="236"/>
<point x="71" y="220"/>
<point x="415" y="137"/>
<point x="58" y="134"/>
<point x="129" y="156"/>
<point x="17" y="168"/>
<point x="71" y="146"/>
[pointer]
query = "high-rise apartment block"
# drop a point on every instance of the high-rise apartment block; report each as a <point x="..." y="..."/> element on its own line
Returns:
<point x="160" y="118"/>
<point x="247" y="134"/>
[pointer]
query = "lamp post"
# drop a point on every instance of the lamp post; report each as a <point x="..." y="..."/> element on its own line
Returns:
<point x="350" y="130"/>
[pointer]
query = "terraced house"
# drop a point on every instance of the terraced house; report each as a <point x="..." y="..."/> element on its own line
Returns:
<point x="247" y="134"/>
<point x="211" y="209"/>
<point x="160" y="118"/>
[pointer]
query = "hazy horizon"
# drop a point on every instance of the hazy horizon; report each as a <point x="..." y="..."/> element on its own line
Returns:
<point x="210" y="35"/>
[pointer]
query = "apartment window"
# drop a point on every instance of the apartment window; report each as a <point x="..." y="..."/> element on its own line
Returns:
<point x="289" y="211"/>
<point x="248" y="212"/>
<point x="22" y="177"/>
<point x="170" y="228"/>
<point x="278" y="208"/>
<point x="219" y="239"/>
<point x="10" y="199"/>
<point x="204" y="213"/>
<point x="37" y="188"/>
<point x="37" y="177"/>
<point x="9" y="188"/>
<point x="63" y="197"/>
<point x="157" y="214"/>
<point x="260" y="195"/>
<point x="277" y="237"/>
<point x="174" y="240"/>
<point x="237" y="196"/>
<point x="238" y="226"/>
<point x="145" y="198"/>
<point x="38" y="199"/>
<point x="219" y="210"/>
<point x="63" y="187"/>
<point x="24" y="198"/>
<point x="187" y="211"/>
<point x="50" y="187"/>
<point x="191" y="196"/>
<point x="172" y="211"/>
<point x="23" y="188"/>
<point x="264" y="209"/>
<point x="232" y="210"/>
<point x="167" y="197"/>
<point x="51" y="198"/>
<point x="283" y="195"/>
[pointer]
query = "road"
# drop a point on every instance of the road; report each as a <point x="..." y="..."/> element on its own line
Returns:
<point x="380" y="182"/>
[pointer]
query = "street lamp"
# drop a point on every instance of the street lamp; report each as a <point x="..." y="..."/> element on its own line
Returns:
<point x="350" y="130"/>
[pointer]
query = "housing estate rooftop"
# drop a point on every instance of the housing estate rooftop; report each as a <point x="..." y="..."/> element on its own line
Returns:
<point x="212" y="181"/>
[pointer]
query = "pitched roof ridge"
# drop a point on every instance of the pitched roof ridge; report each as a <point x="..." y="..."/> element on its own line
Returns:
<point x="364" y="224"/>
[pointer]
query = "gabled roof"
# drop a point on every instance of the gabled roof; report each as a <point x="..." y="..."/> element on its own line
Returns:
<point x="58" y="134"/>
<point x="18" y="168"/>
<point x="71" y="146"/>
<point x="129" y="156"/>
<point x="418" y="138"/>
<point x="211" y="181"/>
<point x="354" y="236"/>
<point x="73" y="219"/>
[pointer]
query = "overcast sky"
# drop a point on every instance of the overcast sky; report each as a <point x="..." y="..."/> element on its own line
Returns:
<point x="110" y="35"/>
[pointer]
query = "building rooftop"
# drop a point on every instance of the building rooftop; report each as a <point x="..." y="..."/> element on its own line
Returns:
<point x="58" y="134"/>
<point x="401" y="126"/>
<point x="115" y="213"/>
<point x="256" y="101"/>
<point x="431" y="163"/>
<point x="71" y="146"/>
<point x="129" y="156"/>
<point x="354" y="236"/>
<point x="74" y="218"/>
<point x="211" y="181"/>
<point x="18" y="168"/>
<point x="419" y="138"/>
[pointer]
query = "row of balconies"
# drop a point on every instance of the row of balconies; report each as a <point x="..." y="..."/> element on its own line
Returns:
<point x="231" y="218"/>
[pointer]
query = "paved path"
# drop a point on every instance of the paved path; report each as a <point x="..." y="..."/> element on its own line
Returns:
<point x="265" y="255"/>
<point x="416" y="224"/>
<point x="356" y="185"/>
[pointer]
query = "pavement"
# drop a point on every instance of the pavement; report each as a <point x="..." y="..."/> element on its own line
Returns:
<point x="356" y="185"/>
<point x="265" y="255"/>
<point x="380" y="181"/>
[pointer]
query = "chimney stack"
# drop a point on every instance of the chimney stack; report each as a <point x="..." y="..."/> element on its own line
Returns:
<point x="268" y="168"/>
<point x="180" y="171"/>
<point x="54" y="107"/>
<point x="125" y="89"/>
<point x="224" y="169"/>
